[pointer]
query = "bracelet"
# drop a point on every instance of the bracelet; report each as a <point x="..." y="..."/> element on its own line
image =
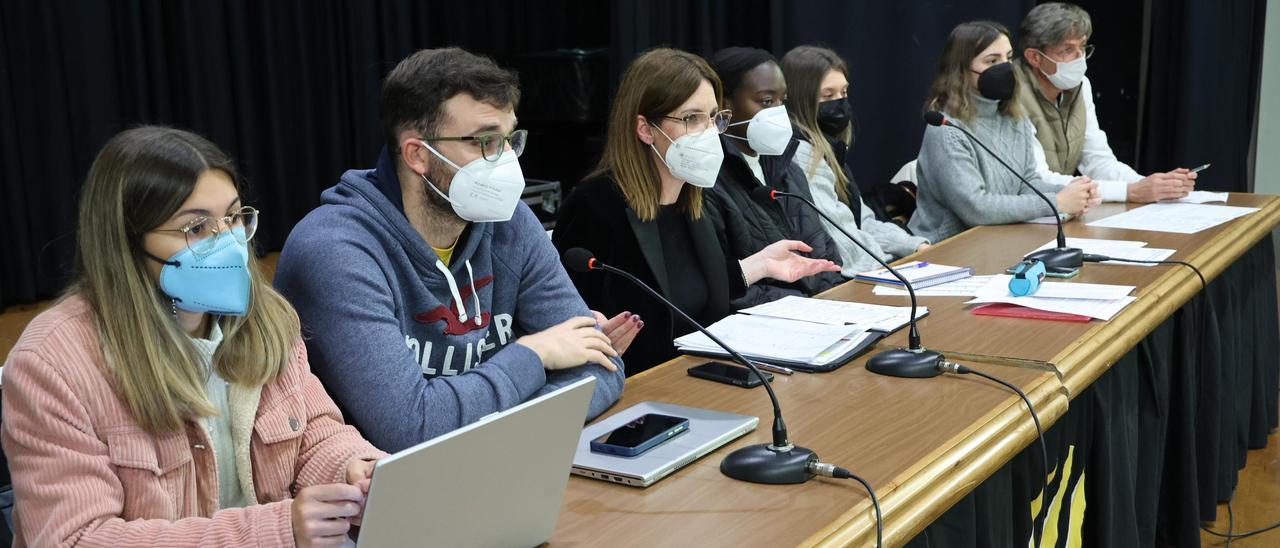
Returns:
<point x="744" y="274"/>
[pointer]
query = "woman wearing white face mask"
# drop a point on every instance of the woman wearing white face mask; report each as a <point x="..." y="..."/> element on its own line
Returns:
<point x="636" y="212"/>
<point x="819" y="84"/>
<point x="1058" y="100"/>
<point x="758" y="146"/>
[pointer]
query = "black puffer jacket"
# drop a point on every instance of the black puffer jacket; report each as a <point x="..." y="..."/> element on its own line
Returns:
<point x="749" y="223"/>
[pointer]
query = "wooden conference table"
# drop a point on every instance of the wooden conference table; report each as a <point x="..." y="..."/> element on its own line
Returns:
<point x="922" y="443"/>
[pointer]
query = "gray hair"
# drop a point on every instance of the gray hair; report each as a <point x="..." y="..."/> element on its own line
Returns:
<point x="1050" y="24"/>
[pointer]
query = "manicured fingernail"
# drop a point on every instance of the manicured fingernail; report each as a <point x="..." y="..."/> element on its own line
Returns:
<point x="641" y="324"/>
<point x="636" y="318"/>
<point x="626" y="314"/>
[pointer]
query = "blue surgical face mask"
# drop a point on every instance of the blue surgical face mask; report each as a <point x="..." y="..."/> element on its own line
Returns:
<point x="216" y="282"/>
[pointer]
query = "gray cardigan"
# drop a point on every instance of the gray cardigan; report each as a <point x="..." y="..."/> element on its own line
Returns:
<point x="961" y="185"/>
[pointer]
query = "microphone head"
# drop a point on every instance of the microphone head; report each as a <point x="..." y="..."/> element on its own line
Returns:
<point x="934" y="118"/>
<point x="764" y="192"/>
<point x="579" y="260"/>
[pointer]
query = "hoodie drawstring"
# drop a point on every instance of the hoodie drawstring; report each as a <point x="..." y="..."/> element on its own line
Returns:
<point x="457" y="296"/>
<point x="475" y="292"/>
<point x="453" y="289"/>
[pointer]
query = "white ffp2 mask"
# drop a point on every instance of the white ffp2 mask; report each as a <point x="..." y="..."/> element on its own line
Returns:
<point x="483" y="191"/>
<point x="769" y="131"/>
<point x="694" y="158"/>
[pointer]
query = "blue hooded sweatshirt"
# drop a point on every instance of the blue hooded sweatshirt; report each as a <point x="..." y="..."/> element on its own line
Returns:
<point x="407" y="346"/>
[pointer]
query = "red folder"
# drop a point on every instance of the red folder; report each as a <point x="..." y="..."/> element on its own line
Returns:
<point x="1016" y="311"/>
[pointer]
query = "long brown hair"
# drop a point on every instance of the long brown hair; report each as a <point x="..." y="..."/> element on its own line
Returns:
<point x="656" y="83"/>
<point x="140" y="179"/>
<point x="951" y="91"/>
<point x="804" y="67"/>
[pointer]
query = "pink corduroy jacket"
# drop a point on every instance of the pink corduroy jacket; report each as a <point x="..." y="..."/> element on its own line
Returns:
<point x="86" y="474"/>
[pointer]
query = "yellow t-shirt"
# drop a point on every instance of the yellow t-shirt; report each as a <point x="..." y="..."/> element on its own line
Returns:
<point x="446" y="254"/>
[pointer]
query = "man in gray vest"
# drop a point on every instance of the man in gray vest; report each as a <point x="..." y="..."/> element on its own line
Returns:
<point x="1058" y="101"/>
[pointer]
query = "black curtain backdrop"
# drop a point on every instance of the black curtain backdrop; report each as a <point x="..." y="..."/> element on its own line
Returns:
<point x="892" y="50"/>
<point x="289" y="87"/>
<point x="1203" y="72"/>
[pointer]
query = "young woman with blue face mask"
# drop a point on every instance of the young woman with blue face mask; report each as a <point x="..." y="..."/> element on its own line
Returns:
<point x="960" y="185"/>
<point x="166" y="400"/>
<point x="642" y="210"/>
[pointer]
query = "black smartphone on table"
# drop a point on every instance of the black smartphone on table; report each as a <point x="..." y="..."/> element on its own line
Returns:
<point x="728" y="374"/>
<point x="640" y="435"/>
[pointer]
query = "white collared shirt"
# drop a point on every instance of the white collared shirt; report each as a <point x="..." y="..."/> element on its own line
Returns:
<point x="1097" y="161"/>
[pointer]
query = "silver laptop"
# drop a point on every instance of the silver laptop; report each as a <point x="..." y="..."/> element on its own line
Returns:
<point x="497" y="482"/>
<point x="708" y="431"/>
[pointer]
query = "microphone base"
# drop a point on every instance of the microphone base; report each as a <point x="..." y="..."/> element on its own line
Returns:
<point x="762" y="464"/>
<point x="1059" y="262"/>
<point x="906" y="363"/>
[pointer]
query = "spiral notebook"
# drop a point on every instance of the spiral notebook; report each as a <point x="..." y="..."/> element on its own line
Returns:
<point x="920" y="273"/>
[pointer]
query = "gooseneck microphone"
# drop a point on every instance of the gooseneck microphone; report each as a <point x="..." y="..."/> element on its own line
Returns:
<point x="777" y="462"/>
<point x="1061" y="261"/>
<point x="914" y="361"/>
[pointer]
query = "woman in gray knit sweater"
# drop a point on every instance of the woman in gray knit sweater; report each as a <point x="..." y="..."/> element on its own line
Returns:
<point x="961" y="185"/>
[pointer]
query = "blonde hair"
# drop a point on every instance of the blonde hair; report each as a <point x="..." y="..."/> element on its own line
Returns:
<point x="656" y="83"/>
<point x="805" y="67"/>
<point x="139" y="179"/>
<point x="951" y="91"/>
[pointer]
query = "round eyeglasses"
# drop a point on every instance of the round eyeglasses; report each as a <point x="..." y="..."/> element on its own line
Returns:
<point x="202" y="232"/>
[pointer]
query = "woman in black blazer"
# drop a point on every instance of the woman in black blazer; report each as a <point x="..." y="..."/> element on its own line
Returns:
<point x="637" y="213"/>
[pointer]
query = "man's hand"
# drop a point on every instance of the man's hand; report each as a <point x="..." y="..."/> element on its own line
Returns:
<point x="572" y="343"/>
<point x="1172" y="185"/>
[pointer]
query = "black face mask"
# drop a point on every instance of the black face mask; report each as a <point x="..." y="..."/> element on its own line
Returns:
<point x="834" y="115"/>
<point x="996" y="83"/>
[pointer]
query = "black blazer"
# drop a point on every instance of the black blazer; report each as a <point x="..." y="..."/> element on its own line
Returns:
<point x="595" y="216"/>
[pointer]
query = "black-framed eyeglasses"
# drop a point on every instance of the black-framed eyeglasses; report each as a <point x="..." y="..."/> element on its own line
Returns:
<point x="492" y="145"/>
<point x="699" y="121"/>
<point x="202" y="232"/>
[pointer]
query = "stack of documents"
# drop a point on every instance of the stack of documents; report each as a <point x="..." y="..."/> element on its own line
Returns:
<point x="870" y="317"/>
<point x="1099" y="301"/>
<point x="919" y="273"/>
<point x="802" y="333"/>
<point x="1180" y="218"/>
<point x="1120" y="249"/>
<point x="791" y="343"/>
<point x="967" y="287"/>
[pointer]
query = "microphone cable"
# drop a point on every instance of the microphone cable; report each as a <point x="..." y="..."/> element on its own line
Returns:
<point x="1094" y="258"/>
<point x="952" y="367"/>
<point x="1204" y="286"/>
<point x="1231" y="524"/>
<point x="833" y="471"/>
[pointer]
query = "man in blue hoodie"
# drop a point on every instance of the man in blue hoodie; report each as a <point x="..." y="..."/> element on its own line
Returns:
<point x="429" y="294"/>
